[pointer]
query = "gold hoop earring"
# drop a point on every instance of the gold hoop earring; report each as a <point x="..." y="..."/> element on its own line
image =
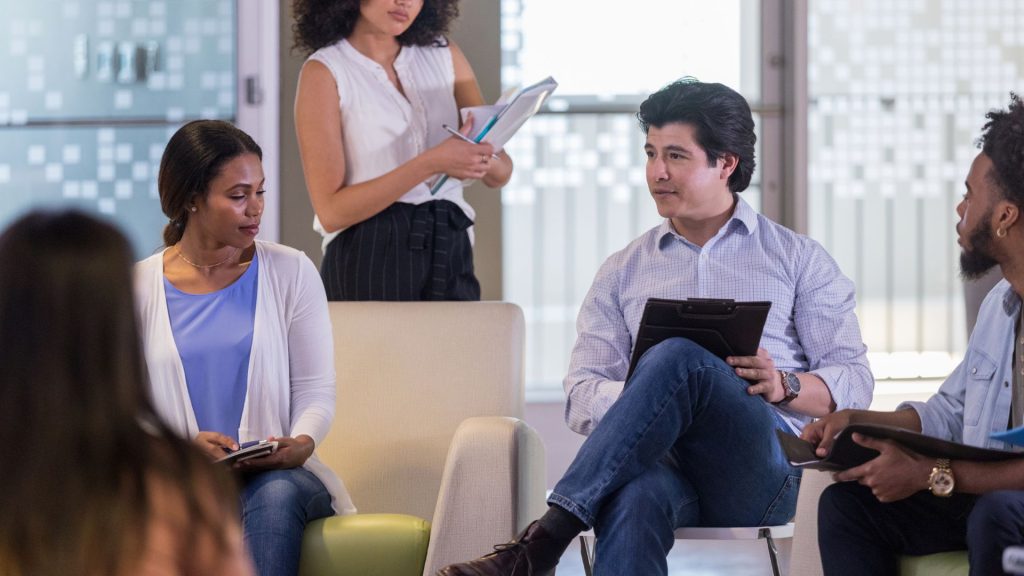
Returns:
<point x="1001" y="233"/>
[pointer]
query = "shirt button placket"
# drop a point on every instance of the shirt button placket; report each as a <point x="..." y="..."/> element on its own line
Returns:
<point x="702" y="275"/>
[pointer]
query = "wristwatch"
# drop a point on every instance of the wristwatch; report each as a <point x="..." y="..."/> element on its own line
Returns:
<point x="941" y="481"/>
<point x="791" y="385"/>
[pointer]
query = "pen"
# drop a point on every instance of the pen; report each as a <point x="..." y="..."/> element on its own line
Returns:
<point x="462" y="137"/>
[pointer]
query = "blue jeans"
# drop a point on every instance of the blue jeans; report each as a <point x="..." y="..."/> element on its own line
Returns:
<point x="684" y="445"/>
<point x="857" y="534"/>
<point x="276" y="506"/>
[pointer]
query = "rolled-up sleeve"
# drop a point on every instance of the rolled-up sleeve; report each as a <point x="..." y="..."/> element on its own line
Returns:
<point x="600" y="357"/>
<point x="826" y="324"/>
<point x="942" y="416"/>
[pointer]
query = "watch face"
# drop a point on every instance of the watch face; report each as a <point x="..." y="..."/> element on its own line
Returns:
<point x="941" y="483"/>
<point x="793" y="382"/>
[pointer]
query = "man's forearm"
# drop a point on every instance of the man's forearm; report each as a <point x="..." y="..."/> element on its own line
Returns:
<point x="907" y="418"/>
<point x="982" y="477"/>
<point x="815" y="399"/>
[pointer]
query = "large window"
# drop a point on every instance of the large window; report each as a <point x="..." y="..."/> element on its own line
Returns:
<point x="578" y="192"/>
<point x="897" y="96"/>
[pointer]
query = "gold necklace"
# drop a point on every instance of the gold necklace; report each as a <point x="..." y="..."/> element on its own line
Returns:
<point x="204" y="266"/>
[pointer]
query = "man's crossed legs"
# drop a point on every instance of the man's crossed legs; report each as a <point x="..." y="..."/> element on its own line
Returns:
<point x="684" y="445"/>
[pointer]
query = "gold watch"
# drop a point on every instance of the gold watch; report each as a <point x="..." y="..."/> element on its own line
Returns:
<point x="941" y="481"/>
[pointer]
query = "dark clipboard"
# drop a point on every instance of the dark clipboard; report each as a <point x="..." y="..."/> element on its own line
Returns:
<point x="846" y="453"/>
<point x="722" y="327"/>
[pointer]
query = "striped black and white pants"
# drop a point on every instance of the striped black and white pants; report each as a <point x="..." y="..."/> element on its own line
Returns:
<point x="406" y="252"/>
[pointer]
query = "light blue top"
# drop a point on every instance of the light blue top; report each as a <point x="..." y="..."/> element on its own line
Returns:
<point x="974" y="401"/>
<point x="213" y="334"/>
<point x="811" y="326"/>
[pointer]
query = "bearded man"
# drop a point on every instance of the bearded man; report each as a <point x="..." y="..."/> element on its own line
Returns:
<point x="903" y="503"/>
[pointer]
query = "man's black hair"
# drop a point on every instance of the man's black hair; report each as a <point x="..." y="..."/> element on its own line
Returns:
<point x="720" y="116"/>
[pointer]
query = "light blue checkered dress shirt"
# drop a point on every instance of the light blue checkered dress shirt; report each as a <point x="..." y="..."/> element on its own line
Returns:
<point x="812" y="326"/>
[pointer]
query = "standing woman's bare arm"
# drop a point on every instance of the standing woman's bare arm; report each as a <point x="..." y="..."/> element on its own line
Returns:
<point x="318" y="126"/>
<point x="467" y="93"/>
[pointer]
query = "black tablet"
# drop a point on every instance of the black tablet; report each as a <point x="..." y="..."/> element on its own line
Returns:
<point x="722" y="327"/>
<point x="249" y="450"/>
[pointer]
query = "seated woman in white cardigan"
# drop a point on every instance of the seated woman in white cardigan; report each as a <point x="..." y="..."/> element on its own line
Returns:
<point x="237" y="338"/>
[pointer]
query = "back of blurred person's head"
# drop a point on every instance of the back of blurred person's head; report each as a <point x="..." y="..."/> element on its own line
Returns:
<point x="72" y="366"/>
<point x="77" y="428"/>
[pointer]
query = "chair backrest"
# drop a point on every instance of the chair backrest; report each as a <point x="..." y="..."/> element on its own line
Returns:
<point x="408" y="374"/>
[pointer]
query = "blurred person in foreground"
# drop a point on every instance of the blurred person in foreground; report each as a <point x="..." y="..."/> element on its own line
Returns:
<point x="93" y="484"/>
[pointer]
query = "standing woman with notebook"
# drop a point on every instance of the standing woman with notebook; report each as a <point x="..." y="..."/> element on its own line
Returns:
<point x="381" y="83"/>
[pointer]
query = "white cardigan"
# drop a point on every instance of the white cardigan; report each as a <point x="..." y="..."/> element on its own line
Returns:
<point x="291" y="384"/>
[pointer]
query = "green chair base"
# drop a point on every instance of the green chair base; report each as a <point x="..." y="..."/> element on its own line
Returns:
<point x="365" y="545"/>
<point x="941" y="564"/>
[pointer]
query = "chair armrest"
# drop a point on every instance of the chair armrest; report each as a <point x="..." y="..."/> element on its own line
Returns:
<point x="492" y="486"/>
<point x="361" y="544"/>
<point x="805" y="558"/>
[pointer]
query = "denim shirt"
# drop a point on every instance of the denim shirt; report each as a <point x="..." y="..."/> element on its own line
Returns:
<point x="974" y="401"/>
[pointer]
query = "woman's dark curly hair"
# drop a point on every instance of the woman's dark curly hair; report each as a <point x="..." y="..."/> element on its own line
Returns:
<point x="320" y="23"/>
<point x="1002" y="140"/>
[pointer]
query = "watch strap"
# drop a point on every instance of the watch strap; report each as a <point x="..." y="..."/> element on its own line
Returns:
<point x="791" y="394"/>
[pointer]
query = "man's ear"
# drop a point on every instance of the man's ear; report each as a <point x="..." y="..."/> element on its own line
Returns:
<point x="1007" y="214"/>
<point x="727" y="163"/>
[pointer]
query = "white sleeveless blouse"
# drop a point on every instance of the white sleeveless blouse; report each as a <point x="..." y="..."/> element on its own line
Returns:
<point x="384" y="129"/>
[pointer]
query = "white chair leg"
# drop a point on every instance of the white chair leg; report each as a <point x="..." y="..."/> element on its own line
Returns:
<point x="773" y="552"/>
<point x="763" y="533"/>
<point x="588" y="556"/>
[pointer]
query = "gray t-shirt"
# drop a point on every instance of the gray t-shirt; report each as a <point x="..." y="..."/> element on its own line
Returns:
<point x="1017" y="404"/>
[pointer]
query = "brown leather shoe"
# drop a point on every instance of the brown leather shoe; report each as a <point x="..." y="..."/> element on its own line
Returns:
<point x="532" y="553"/>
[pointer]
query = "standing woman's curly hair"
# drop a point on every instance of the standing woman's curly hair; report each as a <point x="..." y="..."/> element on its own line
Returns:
<point x="320" y="23"/>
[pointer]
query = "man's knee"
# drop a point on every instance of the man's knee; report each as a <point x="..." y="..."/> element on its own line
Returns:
<point x="997" y="517"/>
<point x="676" y="348"/>
<point x="838" y="506"/>
<point x="680" y="355"/>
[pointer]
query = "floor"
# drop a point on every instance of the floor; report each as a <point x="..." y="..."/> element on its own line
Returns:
<point x="700" y="558"/>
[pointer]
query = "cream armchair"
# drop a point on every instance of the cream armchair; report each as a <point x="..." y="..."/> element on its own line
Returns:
<point x="427" y="426"/>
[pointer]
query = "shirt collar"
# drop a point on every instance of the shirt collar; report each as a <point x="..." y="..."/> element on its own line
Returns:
<point x="1011" y="302"/>
<point x="369" y="63"/>
<point x="743" y="220"/>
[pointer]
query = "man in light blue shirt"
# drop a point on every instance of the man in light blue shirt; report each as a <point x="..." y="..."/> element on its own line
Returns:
<point x="691" y="440"/>
<point x="902" y="502"/>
